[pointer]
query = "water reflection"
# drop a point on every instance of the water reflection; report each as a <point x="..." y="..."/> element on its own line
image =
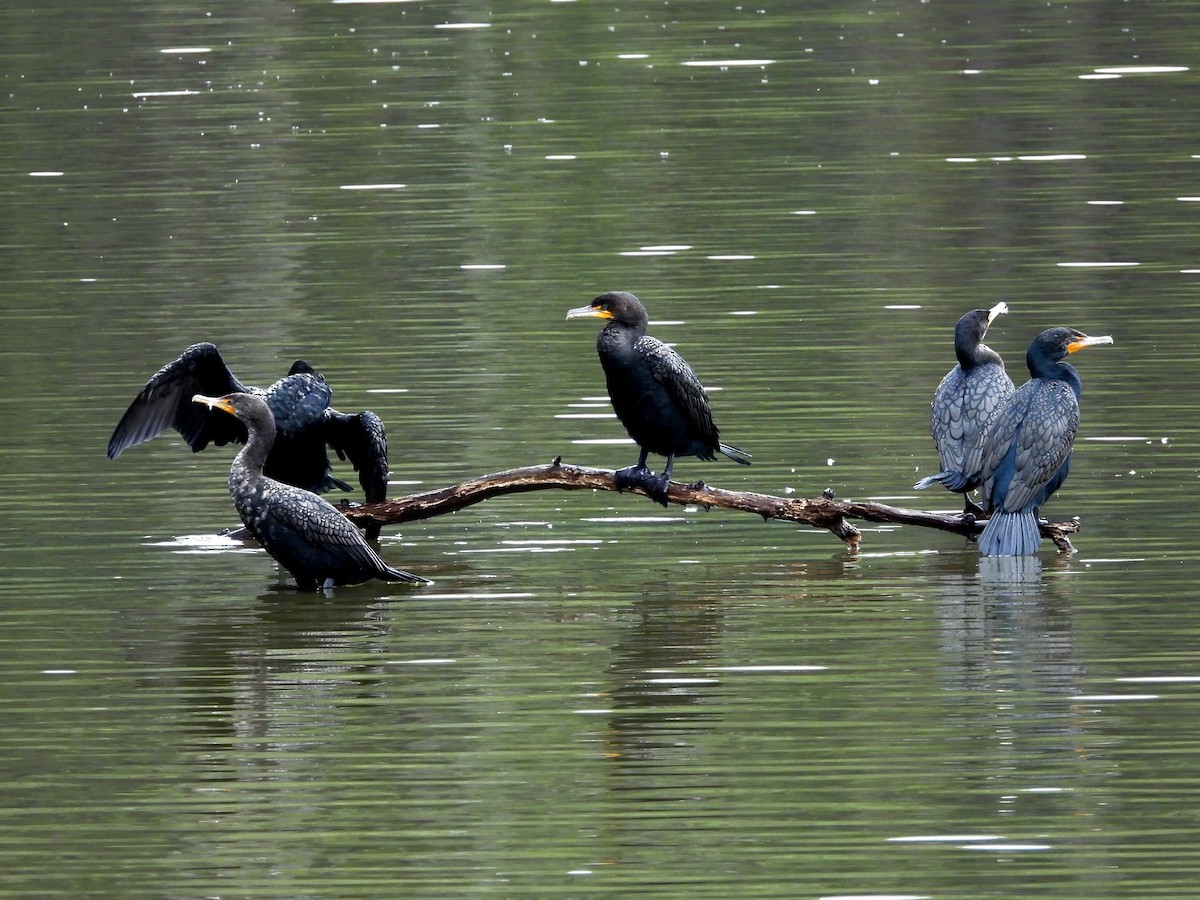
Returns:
<point x="256" y="670"/>
<point x="1010" y="654"/>
<point x="661" y="696"/>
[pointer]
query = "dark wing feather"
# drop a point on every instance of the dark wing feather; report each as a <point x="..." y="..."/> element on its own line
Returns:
<point x="308" y="535"/>
<point x="361" y="439"/>
<point x="682" y="386"/>
<point x="946" y="420"/>
<point x="995" y="462"/>
<point x="166" y="402"/>
<point x="988" y="387"/>
<point x="963" y="407"/>
<point x="298" y="402"/>
<point x="1043" y="444"/>
<point x="1027" y="442"/>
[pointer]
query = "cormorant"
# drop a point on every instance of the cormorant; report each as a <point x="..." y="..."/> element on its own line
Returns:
<point x="1027" y="448"/>
<point x="305" y="423"/>
<point x="655" y="394"/>
<point x="302" y="532"/>
<point x="964" y="401"/>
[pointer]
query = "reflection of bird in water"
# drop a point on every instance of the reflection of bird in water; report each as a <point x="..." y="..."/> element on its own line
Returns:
<point x="655" y="394"/>
<point x="302" y="532"/>
<point x="964" y="402"/>
<point x="1027" y="450"/>
<point x="304" y="421"/>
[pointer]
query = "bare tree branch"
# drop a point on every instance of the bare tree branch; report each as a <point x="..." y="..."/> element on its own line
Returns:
<point x="822" y="512"/>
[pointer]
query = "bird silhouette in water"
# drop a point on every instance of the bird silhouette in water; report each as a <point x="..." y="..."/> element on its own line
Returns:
<point x="964" y="402"/>
<point x="302" y="532"/>
<point x="305" y="422"/>
<point x="1026" y="453"/>
<point x="655" y="394"/>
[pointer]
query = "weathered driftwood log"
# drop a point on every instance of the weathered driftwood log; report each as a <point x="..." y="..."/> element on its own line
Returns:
<point x="822" y="512"/>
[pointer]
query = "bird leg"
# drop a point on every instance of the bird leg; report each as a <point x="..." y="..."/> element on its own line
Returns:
<point x="631" y="476"/>
<point x="656" y="485"/>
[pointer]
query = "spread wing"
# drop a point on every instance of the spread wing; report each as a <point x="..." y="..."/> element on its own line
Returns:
<point x="361" y="439"/>
<point x="299" y="402"/>
<point x="683" y="387"/>
<point x="166" y="402"/>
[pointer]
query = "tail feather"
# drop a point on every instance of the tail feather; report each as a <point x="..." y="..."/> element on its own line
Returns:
<point x="330" y="483"/>
<point x="393" y="574"/>
<point x="741" y="457"/>
<point x="1010" y="534"/>
<point x="954" y="481"/>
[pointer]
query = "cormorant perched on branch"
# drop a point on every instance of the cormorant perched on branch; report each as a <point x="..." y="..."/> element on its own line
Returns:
<point x="655" y="394"/>
<point x="302" y="532"/>
<point x="1027" y="448"/>
<point x="964" y="402"/>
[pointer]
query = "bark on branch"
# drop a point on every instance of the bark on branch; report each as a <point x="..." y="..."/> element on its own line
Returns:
<point x="822" y="512"/>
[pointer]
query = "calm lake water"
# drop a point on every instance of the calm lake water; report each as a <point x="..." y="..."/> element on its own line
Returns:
<point x="596" y="695"/>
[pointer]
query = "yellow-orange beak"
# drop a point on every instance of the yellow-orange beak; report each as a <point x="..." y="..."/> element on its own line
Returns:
<point x="593" y="312"/>
<point x="221" y="403"/>
<point x="1085" y="341"/>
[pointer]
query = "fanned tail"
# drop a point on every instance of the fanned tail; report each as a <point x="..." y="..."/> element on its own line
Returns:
<point x="741" y="457"/>
<point x="1010" y="534"/>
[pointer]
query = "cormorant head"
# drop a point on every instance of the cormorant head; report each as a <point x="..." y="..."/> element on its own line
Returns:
<point x="619" y="306"/>
<point x="1055" y="344"/>
<point x="247" y="407"/>
<point x="971" y="329"/>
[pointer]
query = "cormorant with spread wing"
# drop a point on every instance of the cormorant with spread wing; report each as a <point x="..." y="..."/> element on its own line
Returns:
<point x="299" y="402"/>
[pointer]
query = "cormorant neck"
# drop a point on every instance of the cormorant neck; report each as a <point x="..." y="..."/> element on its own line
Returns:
<point x="261" y="436"/>
<point x="978" y="355"/>
<point x="629" y="330"/>
<point x="1055" y="370"/>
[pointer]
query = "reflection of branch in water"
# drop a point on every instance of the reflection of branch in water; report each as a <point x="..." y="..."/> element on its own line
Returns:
<point x="820" y="512"/>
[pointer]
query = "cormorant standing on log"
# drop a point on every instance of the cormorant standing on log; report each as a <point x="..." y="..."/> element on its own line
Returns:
<point x="964" y="402"/>
<point x="1027" y="449"/>
<point x="655" y="394"/>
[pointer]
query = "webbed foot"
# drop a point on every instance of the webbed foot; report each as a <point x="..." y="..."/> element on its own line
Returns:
<point x="630" y="476"/>
<point x="656" y="486"/>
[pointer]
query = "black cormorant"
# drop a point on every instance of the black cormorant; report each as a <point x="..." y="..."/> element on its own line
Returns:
<point x="1027" y="448"/>
<point x="963" y="403"/>
<point x="655" y="394"/>
<point x="302" y="532"/>
<point x="305" y="423"/>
